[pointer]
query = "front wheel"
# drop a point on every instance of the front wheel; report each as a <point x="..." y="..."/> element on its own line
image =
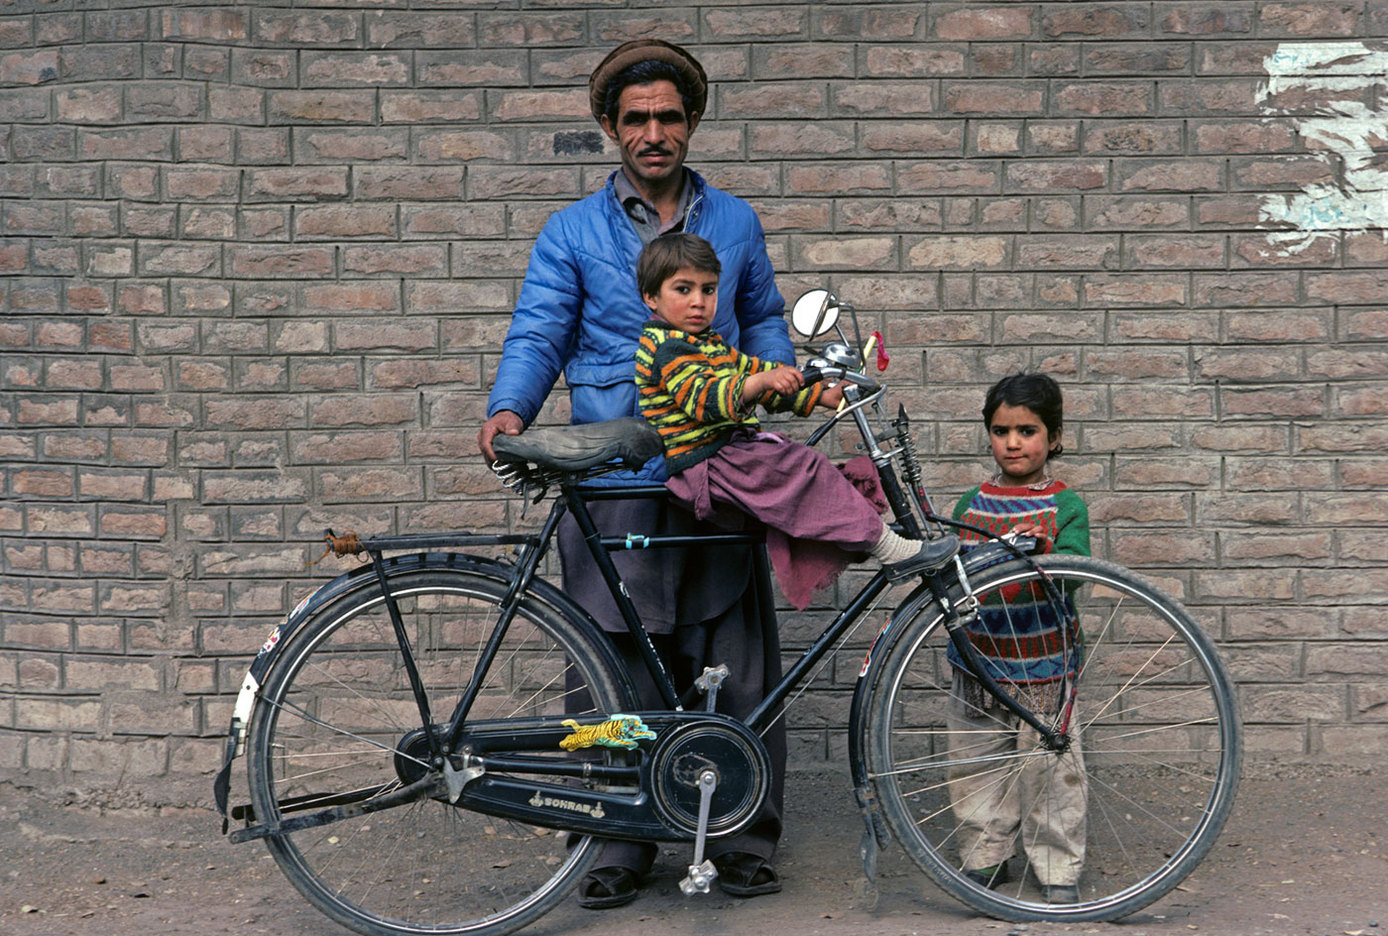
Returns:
<point x="1021" y="832"/>
<point x="337" y="723"/>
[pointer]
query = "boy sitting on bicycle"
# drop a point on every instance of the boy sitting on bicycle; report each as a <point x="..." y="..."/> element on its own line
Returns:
<point x="701" y="396"/>
<point x="1022" y="647"/>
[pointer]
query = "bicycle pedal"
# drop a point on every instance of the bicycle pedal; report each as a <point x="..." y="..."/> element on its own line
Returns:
<point x="699" y="878"/>
<point x="709" y="683"/>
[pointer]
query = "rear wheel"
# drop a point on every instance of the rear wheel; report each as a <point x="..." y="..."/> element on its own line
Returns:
<point x="1122" y="815"/>
<point x="337" y="723"/>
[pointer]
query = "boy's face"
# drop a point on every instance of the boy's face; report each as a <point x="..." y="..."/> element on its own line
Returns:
<point x="687" y="300"/>
<point x="1020" y="444"/>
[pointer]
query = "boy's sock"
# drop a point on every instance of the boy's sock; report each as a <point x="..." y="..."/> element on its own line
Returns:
<point x="893" y="547"/>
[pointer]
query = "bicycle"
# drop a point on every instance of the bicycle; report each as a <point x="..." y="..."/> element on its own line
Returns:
<point x="435" y="740"/>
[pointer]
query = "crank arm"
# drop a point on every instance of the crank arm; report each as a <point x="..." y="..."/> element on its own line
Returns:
<point x="427" y="787"/>
<point x="701" y="872"/>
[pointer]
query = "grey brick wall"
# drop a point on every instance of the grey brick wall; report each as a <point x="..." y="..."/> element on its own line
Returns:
<point x="256" y="263"/>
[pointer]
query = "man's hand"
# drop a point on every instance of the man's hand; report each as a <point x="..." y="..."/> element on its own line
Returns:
<point x="504" y="422"/>
<point x="781" y="379"/>
<point x="831" y="397"/>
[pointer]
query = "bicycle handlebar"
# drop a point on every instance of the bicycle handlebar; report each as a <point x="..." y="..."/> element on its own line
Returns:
<point x="813" y="374"/>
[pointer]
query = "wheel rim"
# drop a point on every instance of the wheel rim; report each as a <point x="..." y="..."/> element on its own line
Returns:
<point x="1159" y="741"/>
<point x="347" y="722"/>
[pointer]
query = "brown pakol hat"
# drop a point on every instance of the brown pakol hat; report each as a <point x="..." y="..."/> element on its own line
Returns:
<point x="644" y="50"/>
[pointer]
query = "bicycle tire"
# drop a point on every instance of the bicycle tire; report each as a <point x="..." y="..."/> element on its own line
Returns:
<point x="1160" y="752"/>
<point x="330" y="715"/>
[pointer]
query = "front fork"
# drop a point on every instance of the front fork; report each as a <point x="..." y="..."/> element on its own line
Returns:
<point x="1055" y="739"/>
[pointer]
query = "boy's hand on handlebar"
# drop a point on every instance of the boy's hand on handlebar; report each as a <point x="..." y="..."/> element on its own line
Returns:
<point x="781" y="379"/>
<point x="504" y="422"/>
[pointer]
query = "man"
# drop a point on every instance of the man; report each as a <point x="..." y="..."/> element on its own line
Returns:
<point x="580" y="312"/>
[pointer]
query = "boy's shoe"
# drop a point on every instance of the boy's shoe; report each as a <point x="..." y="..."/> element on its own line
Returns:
<point x="932" y="554"/>
<point x="1060" y="893"/>
<point x="989" y="877"/>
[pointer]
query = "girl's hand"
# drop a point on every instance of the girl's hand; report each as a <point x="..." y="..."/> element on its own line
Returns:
<point x="782" y="379"/>
<point x="1037" y="532"/>
<point x="831" y="397"/>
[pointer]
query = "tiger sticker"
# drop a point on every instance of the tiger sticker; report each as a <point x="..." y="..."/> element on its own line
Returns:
<point x="619" y="731"/>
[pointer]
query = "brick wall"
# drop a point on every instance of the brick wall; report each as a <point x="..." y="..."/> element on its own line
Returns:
<point x="256" y="263"/>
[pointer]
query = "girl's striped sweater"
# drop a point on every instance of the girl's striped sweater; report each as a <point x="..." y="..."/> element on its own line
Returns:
<point x="1017" y="633"/>
<point x="690" y="388"/>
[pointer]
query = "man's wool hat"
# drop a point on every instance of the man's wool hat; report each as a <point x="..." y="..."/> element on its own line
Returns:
<point x="644" y="50"/>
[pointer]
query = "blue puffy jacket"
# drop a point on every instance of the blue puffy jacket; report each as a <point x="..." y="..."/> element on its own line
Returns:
<point x="580" y="311"/>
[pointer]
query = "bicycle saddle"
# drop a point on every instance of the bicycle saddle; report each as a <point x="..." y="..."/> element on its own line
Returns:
<point x="577" y="448"/>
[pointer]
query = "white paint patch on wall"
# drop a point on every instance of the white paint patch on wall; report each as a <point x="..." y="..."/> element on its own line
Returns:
<point x="1343" y="75"/>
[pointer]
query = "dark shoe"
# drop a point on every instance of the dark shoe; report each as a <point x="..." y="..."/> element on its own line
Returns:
<point x="605" y="888"/>
<point x="743" y="875"/>
<point x="1060" y="893"/>
<point x="932" y="554"/>
<point x="989" y="877"/>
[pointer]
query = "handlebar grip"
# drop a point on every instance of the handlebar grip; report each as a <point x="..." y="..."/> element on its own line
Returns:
<point x="1027" y="544"/>
<point x="813" y="374"/>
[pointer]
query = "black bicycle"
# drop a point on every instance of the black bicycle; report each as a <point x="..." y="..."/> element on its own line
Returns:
<point x="435" y="740"/>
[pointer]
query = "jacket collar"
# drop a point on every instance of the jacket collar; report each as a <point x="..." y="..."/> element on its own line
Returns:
<point x="691" y="177"/>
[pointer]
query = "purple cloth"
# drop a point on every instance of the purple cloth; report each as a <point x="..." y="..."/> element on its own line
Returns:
<point x="817" y="520"/>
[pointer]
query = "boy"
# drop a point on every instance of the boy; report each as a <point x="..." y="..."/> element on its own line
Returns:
<point x="700" y="395"/>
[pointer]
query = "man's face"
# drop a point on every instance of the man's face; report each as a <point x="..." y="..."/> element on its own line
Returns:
<point x="653" y="131"/>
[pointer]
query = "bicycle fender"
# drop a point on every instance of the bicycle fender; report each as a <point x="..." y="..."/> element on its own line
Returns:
<point x="354" y="580"/>
<point x="867" y="678"/>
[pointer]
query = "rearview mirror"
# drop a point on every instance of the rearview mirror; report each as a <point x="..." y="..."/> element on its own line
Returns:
<point x="815" y="313"/>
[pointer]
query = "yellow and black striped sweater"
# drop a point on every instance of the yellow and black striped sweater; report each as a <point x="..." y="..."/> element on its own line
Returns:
<point x="690" y="387"/>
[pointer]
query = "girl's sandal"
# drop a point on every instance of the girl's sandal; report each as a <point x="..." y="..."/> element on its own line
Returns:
<point x="745" y="875"/>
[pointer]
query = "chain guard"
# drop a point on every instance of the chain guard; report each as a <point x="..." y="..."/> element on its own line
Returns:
<point x="738" y="760"/>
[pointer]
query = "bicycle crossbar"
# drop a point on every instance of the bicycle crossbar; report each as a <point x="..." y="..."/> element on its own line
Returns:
<point x="638" y="541"/>
<point x="642" y="491"/>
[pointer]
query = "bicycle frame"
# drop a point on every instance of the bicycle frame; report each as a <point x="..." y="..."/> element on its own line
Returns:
<point x="948" y="587"/>
<point x="486" y="701"/>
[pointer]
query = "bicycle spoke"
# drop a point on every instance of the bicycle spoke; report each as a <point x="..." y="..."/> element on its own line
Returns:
<point x="337" y="715"/>
<point x="1152" y="760"/>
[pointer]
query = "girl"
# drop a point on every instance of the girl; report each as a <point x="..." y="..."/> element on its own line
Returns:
<point x="1021" y="646"/>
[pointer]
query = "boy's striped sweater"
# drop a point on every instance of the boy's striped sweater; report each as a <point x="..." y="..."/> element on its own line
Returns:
<point x="690" y="388"/>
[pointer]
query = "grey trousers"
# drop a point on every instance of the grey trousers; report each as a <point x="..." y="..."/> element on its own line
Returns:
<point x="1043" y="802"/>
<point x="676" y="585"/>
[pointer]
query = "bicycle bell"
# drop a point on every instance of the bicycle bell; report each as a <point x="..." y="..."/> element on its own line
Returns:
<point x="840" y="354"/>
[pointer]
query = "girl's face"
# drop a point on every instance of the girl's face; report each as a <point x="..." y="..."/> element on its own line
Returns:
<point x="687" y="300"/>
<point x="1020" y="444"/>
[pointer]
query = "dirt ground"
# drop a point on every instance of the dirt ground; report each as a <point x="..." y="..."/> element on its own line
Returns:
<point x="1305" y="852"/>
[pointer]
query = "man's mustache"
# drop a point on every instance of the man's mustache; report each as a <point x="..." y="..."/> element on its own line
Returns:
<point x="654" y="151"/>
